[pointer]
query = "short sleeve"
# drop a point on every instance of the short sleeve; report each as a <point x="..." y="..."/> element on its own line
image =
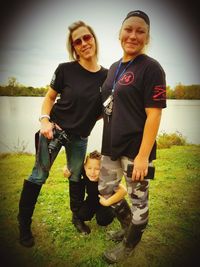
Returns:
<point x="154" y="86"/>
<point x="57" y="79"/>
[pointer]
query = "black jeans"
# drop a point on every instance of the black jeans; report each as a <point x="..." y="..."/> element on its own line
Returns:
<point x="104" y="215"/>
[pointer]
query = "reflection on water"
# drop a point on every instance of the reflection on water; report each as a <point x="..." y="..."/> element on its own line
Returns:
<point x="19" y="121"/>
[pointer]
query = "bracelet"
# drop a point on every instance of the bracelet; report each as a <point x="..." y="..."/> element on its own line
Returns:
<point x="44" y="116"/>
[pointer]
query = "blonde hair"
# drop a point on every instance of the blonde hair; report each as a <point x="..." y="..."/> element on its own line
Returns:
<point x="74" y="26"/>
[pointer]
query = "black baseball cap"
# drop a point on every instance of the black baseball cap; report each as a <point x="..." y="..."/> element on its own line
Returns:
<point x="138" y="13"/>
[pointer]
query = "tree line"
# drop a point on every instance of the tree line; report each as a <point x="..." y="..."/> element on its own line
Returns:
<point x="184" y="92"/>
<point x="13" y="88"/>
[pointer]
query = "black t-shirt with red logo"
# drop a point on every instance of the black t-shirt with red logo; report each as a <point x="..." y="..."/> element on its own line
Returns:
<point x="141" y="85"/>
<point x="80" y="103"/>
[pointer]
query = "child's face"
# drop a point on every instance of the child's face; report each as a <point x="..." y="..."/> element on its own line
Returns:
<point x="92" y="169"/>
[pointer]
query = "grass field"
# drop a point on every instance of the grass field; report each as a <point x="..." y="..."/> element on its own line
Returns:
<point x="171" y="239"/>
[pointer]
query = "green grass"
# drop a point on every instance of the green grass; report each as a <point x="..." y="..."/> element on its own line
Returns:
<point x="171" y="239"/>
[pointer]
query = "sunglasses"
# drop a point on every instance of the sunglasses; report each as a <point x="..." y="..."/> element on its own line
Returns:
<point x="85" y="38"/>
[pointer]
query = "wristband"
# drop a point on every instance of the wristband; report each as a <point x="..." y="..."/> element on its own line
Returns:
<point x="44" y="116"/>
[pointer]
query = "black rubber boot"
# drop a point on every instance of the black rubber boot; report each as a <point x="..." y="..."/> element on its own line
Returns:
<point x="77" y="192"/>
<point x="27" y="203"/>
<point x="80" y="225"/>
<point x="125" y="248"/>
<point x="123" y="214"/>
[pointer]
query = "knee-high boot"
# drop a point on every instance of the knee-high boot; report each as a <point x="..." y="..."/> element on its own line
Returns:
<point x="27" y="203"/>
<point x="123" y="214"/>
<point x="77" y="193"/>
<point x="125" y="248"/>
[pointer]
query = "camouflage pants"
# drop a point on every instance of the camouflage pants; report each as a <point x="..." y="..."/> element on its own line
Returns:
<point x="110" y="177"/>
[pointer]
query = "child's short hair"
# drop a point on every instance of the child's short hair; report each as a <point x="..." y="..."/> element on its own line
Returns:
<point x="93" y="155"/>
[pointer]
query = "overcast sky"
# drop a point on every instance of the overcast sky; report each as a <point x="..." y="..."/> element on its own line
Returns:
<point x="33" y="36"/>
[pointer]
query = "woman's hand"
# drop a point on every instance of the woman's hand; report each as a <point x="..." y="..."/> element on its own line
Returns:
<point x="149" y="136"/>
<point x="140" y="169"/>
<point x="47" y="128"/>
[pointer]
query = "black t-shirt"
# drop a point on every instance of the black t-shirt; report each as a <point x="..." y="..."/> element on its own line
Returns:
<point x="142" y="85"/>
<point x="79" y="105"/>
<point x="92" y="198"/>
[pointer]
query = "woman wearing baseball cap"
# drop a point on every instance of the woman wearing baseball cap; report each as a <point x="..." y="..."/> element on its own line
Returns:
<point x="134" y="94"/>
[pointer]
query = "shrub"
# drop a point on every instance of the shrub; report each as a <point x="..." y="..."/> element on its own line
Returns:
<point x="166" y="140"/>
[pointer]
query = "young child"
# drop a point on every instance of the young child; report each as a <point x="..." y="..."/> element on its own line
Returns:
<point x="94" y="204"/>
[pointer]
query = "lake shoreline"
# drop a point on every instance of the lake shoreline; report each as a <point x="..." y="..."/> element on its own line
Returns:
<point x="19" y="122"/>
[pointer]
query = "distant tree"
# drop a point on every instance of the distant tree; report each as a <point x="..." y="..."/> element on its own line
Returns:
<point x="12" y="81"/>
<point x="170" y="93"/>
<point x="192" y="92"/>
<point x="179" y="91"/>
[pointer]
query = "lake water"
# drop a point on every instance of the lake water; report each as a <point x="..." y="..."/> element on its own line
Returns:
<point x="19" y="121"/>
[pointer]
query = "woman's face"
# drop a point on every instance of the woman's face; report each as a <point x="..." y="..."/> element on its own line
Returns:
<point x="84" y="43"/>
<point x="134" y="35"/>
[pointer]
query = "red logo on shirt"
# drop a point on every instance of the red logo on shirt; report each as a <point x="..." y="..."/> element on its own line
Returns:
<point x="159" y="92"/>
<point x="127" y="78"/>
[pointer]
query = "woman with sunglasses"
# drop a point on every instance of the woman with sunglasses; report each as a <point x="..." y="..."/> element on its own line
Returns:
<point x="66" y="122"/>
<point x="134" y="94"/>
